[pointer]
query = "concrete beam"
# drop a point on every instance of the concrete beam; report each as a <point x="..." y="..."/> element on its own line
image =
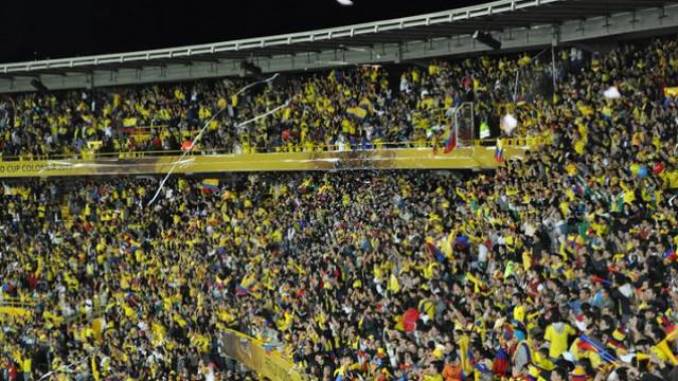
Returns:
<point x="640" y="22"/>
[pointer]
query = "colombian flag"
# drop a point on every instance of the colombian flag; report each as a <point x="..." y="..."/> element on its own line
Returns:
<point x="590" y="344"/>
<point x="451" y="142"/>
<point x="499" y="154"/>
<point x="241" y="291"/>
<point x="435" y="252"/>
<point x="210" y="185"/>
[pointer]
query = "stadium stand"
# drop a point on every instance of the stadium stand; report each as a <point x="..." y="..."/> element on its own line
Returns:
<point x="339" y="110"/>
<point x="558" y="266"/>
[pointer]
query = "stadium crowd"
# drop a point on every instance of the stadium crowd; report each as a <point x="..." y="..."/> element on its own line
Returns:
<point x="356" y="107"/>
<point x="560" y="266"/>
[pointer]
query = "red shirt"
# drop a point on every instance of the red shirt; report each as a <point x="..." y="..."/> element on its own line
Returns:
<point x="452" y="373"/>
<point x="11" y="371"/>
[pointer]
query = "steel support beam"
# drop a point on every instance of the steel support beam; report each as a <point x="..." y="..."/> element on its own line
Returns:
<point x="127" y="70"/>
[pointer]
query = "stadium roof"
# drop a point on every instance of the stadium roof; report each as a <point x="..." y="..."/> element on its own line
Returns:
<point x="516" y="23"/>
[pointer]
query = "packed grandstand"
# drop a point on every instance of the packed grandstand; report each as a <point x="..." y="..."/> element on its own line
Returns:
<point x="559" y="266"/>
<point x="337" y="109"/>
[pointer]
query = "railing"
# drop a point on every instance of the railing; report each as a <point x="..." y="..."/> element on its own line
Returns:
<point x="529" y="141"/>
<point x="93" y="155"/>
<point x="79" y="317"/>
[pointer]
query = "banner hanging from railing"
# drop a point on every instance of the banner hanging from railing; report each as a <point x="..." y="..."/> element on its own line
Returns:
<point x="254" y="355"/>
<point x="475" y="157"/>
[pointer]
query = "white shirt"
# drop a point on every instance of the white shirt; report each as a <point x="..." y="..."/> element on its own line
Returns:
<point x="482" y="253"/>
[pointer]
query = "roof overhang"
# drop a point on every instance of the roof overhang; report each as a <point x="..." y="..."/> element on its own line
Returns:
<point x="518" y="24"/>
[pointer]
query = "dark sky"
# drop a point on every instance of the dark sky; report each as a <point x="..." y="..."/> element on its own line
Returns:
<point x="51" y="29"/>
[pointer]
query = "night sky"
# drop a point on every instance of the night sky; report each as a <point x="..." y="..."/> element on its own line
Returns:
<point x="52" y="29"/>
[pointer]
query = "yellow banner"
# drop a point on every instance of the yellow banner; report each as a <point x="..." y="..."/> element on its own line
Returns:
<point x="17" y="312"/>
<point x="476" y="157"/>
<point x="671" y="91"/>
<point x="254" y="356"/>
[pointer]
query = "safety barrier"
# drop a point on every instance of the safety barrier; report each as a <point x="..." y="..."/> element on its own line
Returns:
<point x="93" y="154"/>
<point x="412" y="158"/>
<point x="474" y="157"/>
<point x="258" y="357"/>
